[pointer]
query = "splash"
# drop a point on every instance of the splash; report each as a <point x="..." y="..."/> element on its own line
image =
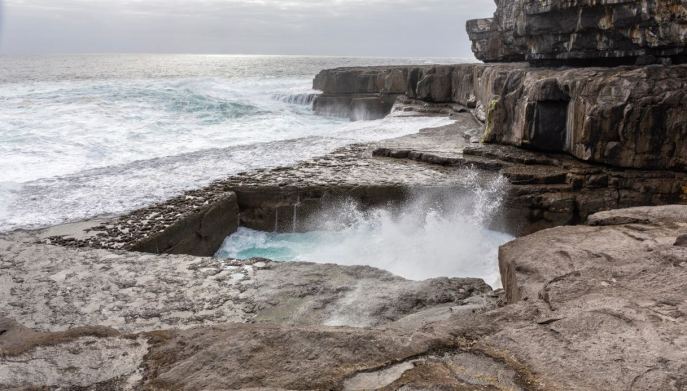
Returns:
<point x="302" y="99"/>
<point x="435" y="234"/>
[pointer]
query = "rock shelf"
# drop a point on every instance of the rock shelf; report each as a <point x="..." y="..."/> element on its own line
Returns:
<point x="589" y="307"/>
<point x="626" y="117"/>
<point x="594" y="298"/>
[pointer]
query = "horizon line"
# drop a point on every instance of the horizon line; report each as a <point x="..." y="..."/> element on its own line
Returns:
<point x="220" y="54"/>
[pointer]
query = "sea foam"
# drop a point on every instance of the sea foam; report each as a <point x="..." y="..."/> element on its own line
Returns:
<point x="82" y="136"/>
<point x="435" y="234"/>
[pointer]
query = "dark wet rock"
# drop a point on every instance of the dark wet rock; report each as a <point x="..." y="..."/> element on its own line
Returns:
<point x="582" y="32"/>
<point x="195" y="223"/>
<point x="199" y="232"/>
<point x="435" y="85"/>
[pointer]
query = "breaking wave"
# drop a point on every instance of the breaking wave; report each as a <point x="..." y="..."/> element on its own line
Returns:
<point x="435" y="234"/>
<point x="304" y="99"/>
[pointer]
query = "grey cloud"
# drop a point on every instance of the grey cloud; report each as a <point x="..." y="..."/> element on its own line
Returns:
<point x="324" y="27"/>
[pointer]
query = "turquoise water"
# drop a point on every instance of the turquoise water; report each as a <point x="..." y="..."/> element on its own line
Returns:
<point x="417" y="242"/>
<point x="248" y="243"/>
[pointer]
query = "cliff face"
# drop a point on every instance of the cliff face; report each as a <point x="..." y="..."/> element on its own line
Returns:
<point x="628" y="117"/>
<point x="582" y="32"/>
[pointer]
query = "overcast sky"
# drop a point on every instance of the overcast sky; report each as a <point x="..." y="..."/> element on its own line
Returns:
<point x="319" y="27"/>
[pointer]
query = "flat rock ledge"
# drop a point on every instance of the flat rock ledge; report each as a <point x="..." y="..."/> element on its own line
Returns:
<point x="542" y="190"/>
<point x="599" y="306"/>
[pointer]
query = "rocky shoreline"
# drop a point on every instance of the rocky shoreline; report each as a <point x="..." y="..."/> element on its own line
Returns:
<point x="594" y="288"/>
<point x="544" y="190"/>
<point x="607" y="310"/>
<point x="178" y="321"/>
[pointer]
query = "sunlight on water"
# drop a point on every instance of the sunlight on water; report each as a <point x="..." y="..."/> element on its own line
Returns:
<point x="423" y="239"/>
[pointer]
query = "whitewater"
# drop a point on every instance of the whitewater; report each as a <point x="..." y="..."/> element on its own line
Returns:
<point x="91" y="136"/>
<point x="85" y="136"/>
<point x="435" y="233"/>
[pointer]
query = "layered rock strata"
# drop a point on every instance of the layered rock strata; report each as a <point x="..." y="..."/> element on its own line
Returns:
<point x="195" y="223"/>
<point x="628" y="117"/>
<point x="545" y="190"/>
<point x="581" y="32"/>
<point x="358" y="93"/>
<point x="600" y="306"/>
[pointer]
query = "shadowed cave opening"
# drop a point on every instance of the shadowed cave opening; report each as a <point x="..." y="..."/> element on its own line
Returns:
<point x="549" y="129"/>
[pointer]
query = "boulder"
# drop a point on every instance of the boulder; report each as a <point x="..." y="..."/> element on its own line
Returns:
<point x="607" y="303"/>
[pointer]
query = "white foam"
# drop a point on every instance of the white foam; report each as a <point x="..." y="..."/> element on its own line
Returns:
<point x="86" y="148"/>
<point x="82" y="136"/>
<point x="426" y="238"/>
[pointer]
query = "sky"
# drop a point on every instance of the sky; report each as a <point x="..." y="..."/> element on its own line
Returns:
<point x="382" y="28"/>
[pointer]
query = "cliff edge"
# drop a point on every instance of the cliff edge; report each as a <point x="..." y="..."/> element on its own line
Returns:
<point x="582" y="32"/>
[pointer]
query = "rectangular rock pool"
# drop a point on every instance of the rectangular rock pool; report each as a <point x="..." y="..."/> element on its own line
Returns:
<point x="429" y="236"/>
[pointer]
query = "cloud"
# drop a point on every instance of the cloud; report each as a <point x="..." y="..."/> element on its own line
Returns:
<point x="326" y="27"/>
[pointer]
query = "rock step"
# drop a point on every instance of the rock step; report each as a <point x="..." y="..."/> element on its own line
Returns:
<point x="439" y="158"/>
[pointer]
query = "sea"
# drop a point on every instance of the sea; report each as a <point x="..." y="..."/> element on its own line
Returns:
<point x="96" y="135"/>
<point x="83" y="136"/>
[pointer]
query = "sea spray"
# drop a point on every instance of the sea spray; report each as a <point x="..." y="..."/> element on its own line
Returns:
<point x="303" y="99"/>
<point x="437" y="233"/>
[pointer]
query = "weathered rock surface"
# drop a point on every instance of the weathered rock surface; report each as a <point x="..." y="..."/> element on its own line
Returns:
<point x="629" y="117"/>
<point x="321" y="359"/>
<point x="95" y="358"/>
<point x="195" y="223"/>
<point x="582" y="32"/>
<point x="592" y="307"/>
<point x="610" y="301"/>
<point x="54" y="288"/>
<point x="545" y="190"/>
